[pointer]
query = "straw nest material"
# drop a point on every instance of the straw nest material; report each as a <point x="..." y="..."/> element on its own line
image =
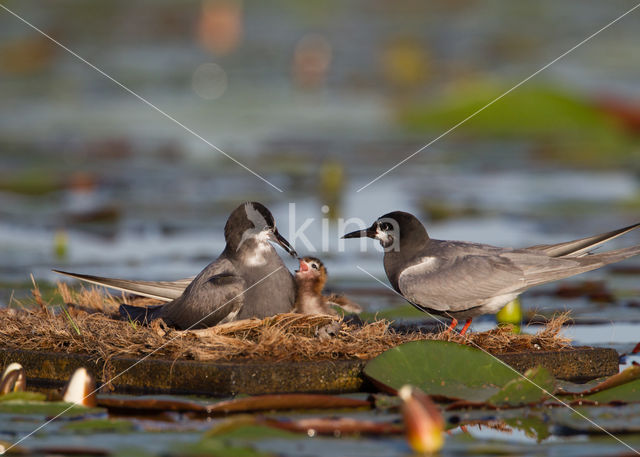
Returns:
<point x="86" y="322"/>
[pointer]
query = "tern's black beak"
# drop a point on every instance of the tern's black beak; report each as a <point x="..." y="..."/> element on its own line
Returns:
<point x="369" y="233"/>
<point x="281" y="240"/>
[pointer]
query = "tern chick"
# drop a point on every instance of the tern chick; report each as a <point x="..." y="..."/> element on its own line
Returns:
<point x="310" y="279"/>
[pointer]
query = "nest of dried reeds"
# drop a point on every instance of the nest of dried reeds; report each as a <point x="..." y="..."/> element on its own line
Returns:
<point x="86" y="322"/>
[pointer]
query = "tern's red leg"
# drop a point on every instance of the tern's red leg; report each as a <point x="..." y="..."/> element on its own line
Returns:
<point x="454" y="323"/>
<point x="466" y="327"/>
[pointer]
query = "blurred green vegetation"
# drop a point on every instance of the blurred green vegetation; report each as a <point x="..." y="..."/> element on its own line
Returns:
<point x="33" y="182"/>
<point x="565" y="127"/>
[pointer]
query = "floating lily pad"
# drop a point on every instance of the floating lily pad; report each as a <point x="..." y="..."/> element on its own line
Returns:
<point x="23" y="397"/>
<point x="625" y="393"/>
<point x="457" y="372"/>
<point x="520" y="391"/>
<point x="48" y="409"/>
<point x="623" y="387"/>
<point x="627" y="375"/>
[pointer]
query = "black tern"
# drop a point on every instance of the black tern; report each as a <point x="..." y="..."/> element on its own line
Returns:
<point x="247" y="280"/>
<point x="464" y="280"/>
<point x="310" y="279"/>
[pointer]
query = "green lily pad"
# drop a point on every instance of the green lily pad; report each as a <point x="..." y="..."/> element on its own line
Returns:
<point x="48" y="409"/>
<point x="457" y="372"/>
<point x="23" y="397"/>
<point x="623" y="387"/>
<point x="520" y="391"/>
<point x="440" y="368"/>
<point x="625" y="393"/>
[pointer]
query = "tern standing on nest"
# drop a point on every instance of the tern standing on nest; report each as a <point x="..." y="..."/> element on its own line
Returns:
<point x="249" y="279"/>
<point x="464" y="280"/>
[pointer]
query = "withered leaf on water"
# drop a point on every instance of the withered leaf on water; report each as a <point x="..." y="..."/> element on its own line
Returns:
<point x="237" y="405"/>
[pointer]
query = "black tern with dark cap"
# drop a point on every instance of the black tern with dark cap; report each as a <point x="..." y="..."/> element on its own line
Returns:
<point x="247" y="280"/>
<point x="464" y="280"/>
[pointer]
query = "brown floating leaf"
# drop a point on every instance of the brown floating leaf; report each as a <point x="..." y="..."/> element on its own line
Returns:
<point x="150" y="404"/>
<point x="287" y="401"/>
<point x="238" y="405"/>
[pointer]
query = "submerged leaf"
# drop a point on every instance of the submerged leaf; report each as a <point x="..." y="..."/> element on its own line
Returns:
<point x="613" y="419"/>
<point x="219" y="448"/>
<point x="100" y="426"/>
<point x="246" y="427"/>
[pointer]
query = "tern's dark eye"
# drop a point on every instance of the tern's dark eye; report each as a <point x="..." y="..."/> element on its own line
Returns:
<point x="314" y="266"/>
<point x="385" y="226"/>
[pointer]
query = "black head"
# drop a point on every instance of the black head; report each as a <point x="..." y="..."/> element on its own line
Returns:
<point x="252" y="222"/>
<point x="395" y="230"/>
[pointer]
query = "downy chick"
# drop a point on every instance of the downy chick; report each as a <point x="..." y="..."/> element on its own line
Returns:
<point x="310" y="280"/>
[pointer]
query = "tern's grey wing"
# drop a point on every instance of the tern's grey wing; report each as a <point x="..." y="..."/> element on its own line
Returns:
<point x="161" y="290"/>
<point x="215" y="296"/>
<point x="582" y="246"/>
<point x="459" y="283"/>
<point x="539" y="269"/>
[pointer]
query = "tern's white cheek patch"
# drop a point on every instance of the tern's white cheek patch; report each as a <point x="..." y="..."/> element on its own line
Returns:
<point x="382" y="236"/>
<point x="258" y="255"/>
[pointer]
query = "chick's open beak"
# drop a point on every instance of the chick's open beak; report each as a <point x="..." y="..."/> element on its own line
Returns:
<point x="303" y="266"/>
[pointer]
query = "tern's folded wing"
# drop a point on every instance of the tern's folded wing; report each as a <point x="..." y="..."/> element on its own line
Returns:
<point x="460" y="283"/>
<point x="583" y="246"/>
<point x="209" y="300"/>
